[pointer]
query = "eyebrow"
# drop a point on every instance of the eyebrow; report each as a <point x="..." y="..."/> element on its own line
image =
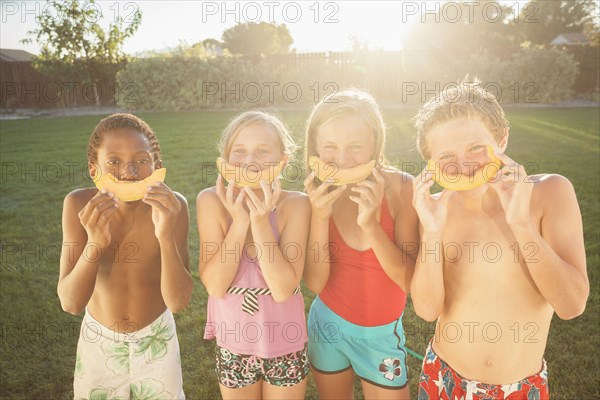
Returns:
<point x="113" y="153"/>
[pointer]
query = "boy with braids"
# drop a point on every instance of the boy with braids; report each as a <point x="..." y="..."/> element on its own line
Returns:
<point x="127" y="265"/>
<point x="496" y="261"/>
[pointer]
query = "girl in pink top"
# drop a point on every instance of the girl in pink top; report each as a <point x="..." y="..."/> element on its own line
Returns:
<point x="252" y="252"/>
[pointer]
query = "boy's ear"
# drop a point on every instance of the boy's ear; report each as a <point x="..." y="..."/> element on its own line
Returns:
<point x="503" y="143"/>
<point x="93" y="169"/>
<point x="158" y="164"/>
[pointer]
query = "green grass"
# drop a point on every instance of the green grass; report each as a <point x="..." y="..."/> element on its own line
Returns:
<point x="39" y="340"/>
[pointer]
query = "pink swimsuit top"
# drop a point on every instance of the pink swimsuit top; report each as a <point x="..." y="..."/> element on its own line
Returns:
<point x="250" y="322"/>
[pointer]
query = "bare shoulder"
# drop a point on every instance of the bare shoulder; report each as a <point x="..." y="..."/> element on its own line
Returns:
<point x="293" y="200"/>
<point x="551" y="189"/>
<point x="181" y="198"/>
<point x="398" y="186"/>
<point x="550" y="184"/>
<point x="208" y="197"/>
<point x="78" y="198"/>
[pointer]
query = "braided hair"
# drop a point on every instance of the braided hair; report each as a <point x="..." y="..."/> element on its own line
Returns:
<point x="121" y="121"/>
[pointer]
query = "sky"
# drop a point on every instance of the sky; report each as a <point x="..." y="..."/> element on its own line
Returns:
<point x="314" y="26"/>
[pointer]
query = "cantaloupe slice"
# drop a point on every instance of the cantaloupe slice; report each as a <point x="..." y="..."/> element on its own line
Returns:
<point x="460" y="182"/>
<point x="246" y="177"/>
<point x="129" y="191"/>
<point x="330" y="172"/>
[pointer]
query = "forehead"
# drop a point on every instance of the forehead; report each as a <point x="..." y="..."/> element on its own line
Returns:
<point x="256" y="133"/>
<point x="350" y="128"/>
<point x="457" y="133"/>
<point x="124" y="140"/>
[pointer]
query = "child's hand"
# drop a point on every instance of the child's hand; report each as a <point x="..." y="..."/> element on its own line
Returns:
<point x="235" y="207"/>
<point x="432" y="212"/>
<point x="320" y="199"/>
<point x="260" y="210"/>
<point x="165" y="209"/>
<point x="369" y="199"/>
<point x="514" y="190"/>
<point x="95" y="218"/>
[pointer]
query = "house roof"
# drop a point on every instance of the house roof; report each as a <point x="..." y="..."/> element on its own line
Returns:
<point x="571" y="38"/>
<point x="15" y="55"/>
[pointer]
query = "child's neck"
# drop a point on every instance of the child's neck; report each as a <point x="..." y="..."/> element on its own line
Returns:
<point x="480" y="199"/>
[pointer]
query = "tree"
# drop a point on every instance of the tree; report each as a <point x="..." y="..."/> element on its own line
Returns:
<point x="74" y="45"/>
<point x="547" y="19"/>
<point x="257" y="38"/>
<point x="460" y="29"/>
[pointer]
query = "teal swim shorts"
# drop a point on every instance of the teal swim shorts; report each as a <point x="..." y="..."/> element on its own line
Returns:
<point x="375" y="353"/>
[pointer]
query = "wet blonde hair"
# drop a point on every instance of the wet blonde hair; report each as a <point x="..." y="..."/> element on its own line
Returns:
<point x="466" y="100"/>
<point x="288" y="146"/>
<point x="349" y="102"/>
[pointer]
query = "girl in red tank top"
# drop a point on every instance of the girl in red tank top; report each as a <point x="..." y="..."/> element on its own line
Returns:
<point x="362" y="243"/>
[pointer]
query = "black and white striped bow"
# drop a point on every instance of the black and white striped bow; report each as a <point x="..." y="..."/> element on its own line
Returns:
<point x="250" y="303"/>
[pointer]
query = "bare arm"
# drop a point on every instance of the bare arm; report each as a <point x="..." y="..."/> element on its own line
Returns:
<point x="397" y="257"/>
<point x="317" y="265"/>
<point x="427" y="285"/>
<point x="558" y="262"/>
<point x="85" y="237"/>
<point x="220" y="250"/>
<point x="282" y="263"/>
<point x="171" y="211"/>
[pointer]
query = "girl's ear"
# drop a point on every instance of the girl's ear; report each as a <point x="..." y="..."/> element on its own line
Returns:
<point x="503" y="143"/>
<point x="158" y="164"/>
<point x="285" y="159"/>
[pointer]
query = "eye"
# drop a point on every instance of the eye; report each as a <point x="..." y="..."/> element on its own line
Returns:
<point x="477" y="147"/>
<point x="238" y="151"/>
<point x="356" y="147"/>
<point x="143" y="161"/>
<point x="330" y="147"/>
<point x="264" y="151"/>
<point x="446" y="157"/>
<point x="112" y="162"/>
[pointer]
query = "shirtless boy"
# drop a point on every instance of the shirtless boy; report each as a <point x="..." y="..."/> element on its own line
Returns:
<point x="496" y="261"/>
<point x="127" y="265"/>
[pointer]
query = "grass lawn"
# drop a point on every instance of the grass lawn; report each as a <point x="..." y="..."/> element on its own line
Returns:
<point x="43" y="159"/>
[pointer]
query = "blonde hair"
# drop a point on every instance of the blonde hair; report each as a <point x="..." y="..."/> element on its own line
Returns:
<point x="348" y="102"/>
<point x="288" y="146"/>
<point x="466" y="100"/>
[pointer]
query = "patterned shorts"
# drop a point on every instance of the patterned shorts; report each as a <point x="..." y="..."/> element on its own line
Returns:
<point x="140" y="364"/>
<point x="238" y="370"/>
<point x="439" y="381"/>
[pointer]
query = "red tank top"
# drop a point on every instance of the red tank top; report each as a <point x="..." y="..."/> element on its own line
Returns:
<point x="358" y="289"/>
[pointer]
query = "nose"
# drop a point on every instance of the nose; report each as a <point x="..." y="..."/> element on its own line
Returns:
<point x="251" y="162"/>
<point x="129" y="172"/>
<point x="468" y="165"/>
<point x="343" y="159"/>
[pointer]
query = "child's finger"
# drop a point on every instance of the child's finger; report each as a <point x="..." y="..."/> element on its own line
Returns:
<point x="229" y="192"/>
<point x="251" y="206"/>
<point x="156" y="204"/>
<point x="332" y="196"/>
<point x="252" y="196"/>
<point x="309" y="182"/>
<point x="240" y="198"/>
<point x="266" y="191"/>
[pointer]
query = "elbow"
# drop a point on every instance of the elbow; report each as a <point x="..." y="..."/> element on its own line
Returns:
<point x="177" y="307"/>
<point x="68" y="305"/>
<point x="282" y="296"/>
<point x="71" y="307"/>
<point x="577" y="306"/>
<point x="572" y="312"/>
<point x="429" y="314"/>
<point x="314" y="285"/>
